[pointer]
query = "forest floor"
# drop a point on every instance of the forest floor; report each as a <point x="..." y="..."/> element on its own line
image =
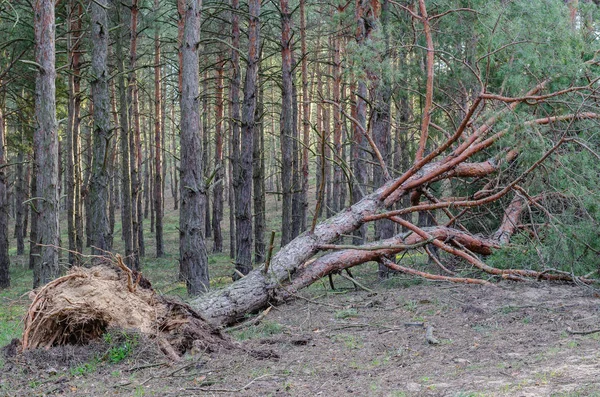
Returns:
<point x="509" y="340"/>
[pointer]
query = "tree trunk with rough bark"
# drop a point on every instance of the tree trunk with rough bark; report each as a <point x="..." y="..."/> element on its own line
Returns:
<point x="135" y="143"/>
<point x="243" y="260"/>
<point x="305" y="115"/>
<point x="73" y="167"/>
<point x="158" y="166"/>
<point x="258" y="184"/>
<point x="192" y="251"/>
<point x="99" y="182"/>
<point x="46" y="267"/>
<point x="20" y="206"/>
<point x="4" y="258"/>
<point x="287" y="123"/>
<point x="125" y="131"/>
<point x="218" y="180"/>
<point x="206" y="152"/>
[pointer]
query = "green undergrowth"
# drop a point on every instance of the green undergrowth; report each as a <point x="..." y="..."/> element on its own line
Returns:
<point x="263" y="330"/>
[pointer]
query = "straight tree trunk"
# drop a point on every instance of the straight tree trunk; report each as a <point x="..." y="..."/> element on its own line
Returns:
<point x="230" y="189"/>
<point x="87" y="176"/>
<point x="4" y="258"/>
<point x="243" y="260"/>
<point x="73" y="172"/>
<point x="46" y="267"/>
<point x="305" y="115"/>
<point x="158" y="166"/>
<point x="99" y="183"/>
<point x="192" y="250"/>
<point x="296" y="164"/>
<point x="125" y="131"/>
<point x="218" y="179"/>
<point x="258" y="184"/>
<point x="327" y="159"/>
<point x="236" y="117"/>
<point x="337" y="124"/>
<point x="20" y="194"/>
<point x="175" y="175"/>
<point x="206" y="152"/>
<point x="287" y="123"/>
<point x="34" y="249"/>
<point x="135" y="143"/>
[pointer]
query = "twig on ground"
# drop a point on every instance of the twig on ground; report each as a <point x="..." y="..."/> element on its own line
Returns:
<point x="593" y="331"/>
<point x="206" y="389"/>
<point x="357" y="283"/>
<point x="253" y="321"/>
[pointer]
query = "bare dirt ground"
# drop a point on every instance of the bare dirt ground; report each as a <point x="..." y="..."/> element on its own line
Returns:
<point x="510" y="340"/>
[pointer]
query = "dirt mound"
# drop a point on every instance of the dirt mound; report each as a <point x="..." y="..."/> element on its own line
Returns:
<point x="79" y="308"/>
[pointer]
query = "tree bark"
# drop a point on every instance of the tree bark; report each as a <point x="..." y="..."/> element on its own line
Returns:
<point x="158" y="167"/>
<point x="135" y="143"/>
<point x="243" y="262"/>
<point x="125" y="131"/>
<point x="305" y="115"/>
<point x="206" y="152"/>
<point x="99" y="183"/>
<point x="73" y="168"/>
<point x="4" y="258"/>
<point x="218" y="180"/>
<point x="258" y="184"/>
<point x="20" y="197"/>
<point x="46" y="266"/>
<point x="337" y="123"/>
<point x="287" y="123"/>
<point x="192" y="250"/>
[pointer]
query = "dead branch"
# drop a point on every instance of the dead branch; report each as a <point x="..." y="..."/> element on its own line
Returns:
<point x="394" y="266"/>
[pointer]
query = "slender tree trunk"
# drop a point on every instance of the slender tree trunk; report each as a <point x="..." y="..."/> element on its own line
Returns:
<point x="126" y="193"/>
<point x="175" y="176"/>
<point x="305" y="115"/>
<point x="287" y="123"/>
<point x="113" y="183"/>
<point x="192" y="250"/>
<point x="328" y="203"/>
<point x="218" y="179"/>
<point x="235" y="130"/>
<point x="231" y="190"/>
<point x="158" y="174"/>
<point x="337" y="123"/>
<point x="87" y="176"/>
<point x="73" y="175"/>
<point x="4" y="258"/>
<point x="21" y="189"/>
<point x="243" y="262"/>
<point x="206" y="152"/>
<point x="135" y="143"/>
<point x="258" y="183"/>
<point x="296" y="164"/>
<point x="46" y="265"/>
<point x="363" y="29"/>
<point x="34" y="249"/>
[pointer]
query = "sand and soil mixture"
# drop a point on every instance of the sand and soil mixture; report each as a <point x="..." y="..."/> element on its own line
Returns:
<point x="510" y="340"/>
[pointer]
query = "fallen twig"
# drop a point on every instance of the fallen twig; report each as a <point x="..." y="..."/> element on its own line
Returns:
<point x="593" y="331"/>
<point x="253" y="321"/>
<point x="227" y="390"/>
<point x="357" y="283"/>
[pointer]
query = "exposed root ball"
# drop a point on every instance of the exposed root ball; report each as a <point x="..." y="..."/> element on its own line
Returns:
<point x="82" y="305"/>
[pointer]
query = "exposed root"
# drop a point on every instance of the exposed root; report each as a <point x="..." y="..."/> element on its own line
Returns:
<point x="84" y="304"/>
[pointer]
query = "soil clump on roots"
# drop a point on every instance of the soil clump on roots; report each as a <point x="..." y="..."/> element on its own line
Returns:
<point x="81" y="306"/>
